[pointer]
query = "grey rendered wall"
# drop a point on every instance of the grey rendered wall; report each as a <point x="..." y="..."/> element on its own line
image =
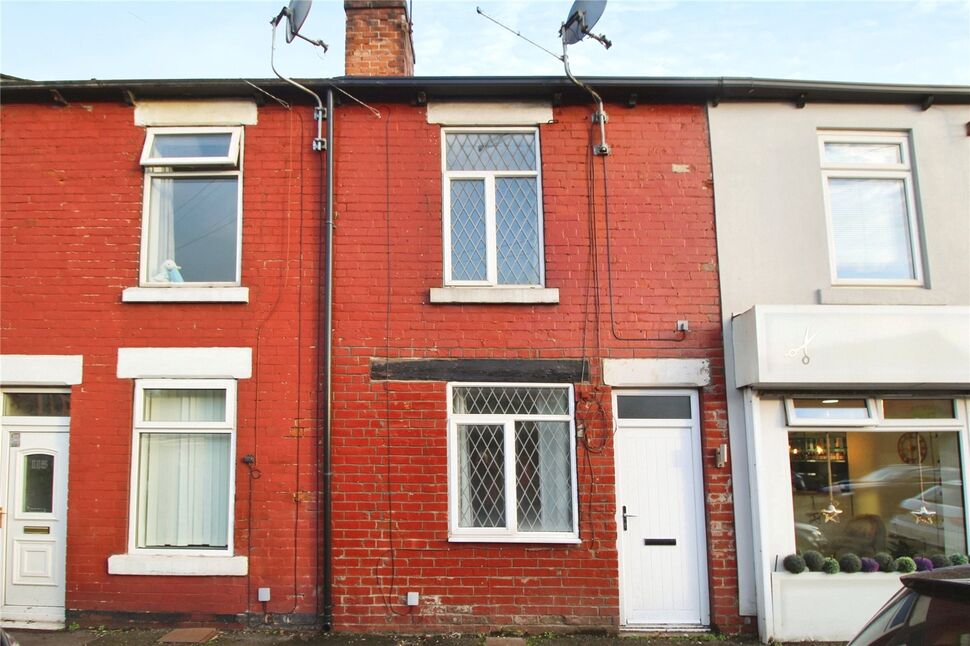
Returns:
<point x="772" y="238"/>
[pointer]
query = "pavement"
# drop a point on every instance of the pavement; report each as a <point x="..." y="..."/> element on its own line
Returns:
<point x="272" y="637"/>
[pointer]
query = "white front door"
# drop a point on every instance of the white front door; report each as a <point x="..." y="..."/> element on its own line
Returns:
<point x="660" y="510"/>
<point x="33" y="538"/>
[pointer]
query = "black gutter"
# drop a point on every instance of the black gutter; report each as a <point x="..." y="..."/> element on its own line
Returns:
<point x="556" y="89"/>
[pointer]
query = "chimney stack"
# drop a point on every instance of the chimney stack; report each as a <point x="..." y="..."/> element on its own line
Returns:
<point x="378" y="38"/>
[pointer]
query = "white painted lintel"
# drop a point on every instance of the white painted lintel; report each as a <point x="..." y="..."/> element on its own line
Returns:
<point x="650" y="373"/>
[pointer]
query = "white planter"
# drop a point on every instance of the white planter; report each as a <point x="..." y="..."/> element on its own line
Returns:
<point x="826" y="607"/>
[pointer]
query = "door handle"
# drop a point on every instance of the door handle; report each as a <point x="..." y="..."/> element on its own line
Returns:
<point x="625" y="516"/>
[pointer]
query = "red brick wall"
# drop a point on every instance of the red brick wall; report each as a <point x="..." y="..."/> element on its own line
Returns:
<point x="378" y="39"/>
<point x="390" y="486"/>
<point x="69" y="241"/>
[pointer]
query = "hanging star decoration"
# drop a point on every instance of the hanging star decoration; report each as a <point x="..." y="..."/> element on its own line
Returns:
<point x="831" y="513"/>
<point x="924" y="515"/>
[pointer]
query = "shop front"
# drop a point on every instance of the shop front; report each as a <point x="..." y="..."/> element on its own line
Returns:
<point x="858" y="443"/>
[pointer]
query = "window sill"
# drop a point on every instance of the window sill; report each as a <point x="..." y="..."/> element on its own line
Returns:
<point x="878" y="295"/>
<point x="534" y="539"/>
<point x="185" y="295"/>
<point x="177" y="565"/>
<point x="516" y="295"/>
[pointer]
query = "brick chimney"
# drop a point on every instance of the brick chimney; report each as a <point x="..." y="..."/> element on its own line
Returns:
<point x="378" y="38"/>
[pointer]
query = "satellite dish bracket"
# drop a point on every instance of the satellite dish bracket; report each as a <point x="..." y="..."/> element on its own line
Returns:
<point x="577" y="20"/>
<point x="319" y="113"/>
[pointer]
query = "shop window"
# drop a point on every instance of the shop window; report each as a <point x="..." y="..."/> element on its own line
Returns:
<point x="512" y="468"/>
<point x="829" y="411"/>
<point x="899" y="492"/>
<point x="903" y="409"/>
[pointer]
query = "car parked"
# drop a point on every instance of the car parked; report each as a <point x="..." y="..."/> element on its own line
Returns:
<point x="932" y="609"/>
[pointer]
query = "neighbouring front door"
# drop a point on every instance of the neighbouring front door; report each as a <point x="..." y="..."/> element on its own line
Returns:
<point x="660" y="510"/>
<point x="33" y="497"/>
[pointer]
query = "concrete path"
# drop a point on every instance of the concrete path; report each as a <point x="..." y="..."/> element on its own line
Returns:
<point x="266" y="637"/>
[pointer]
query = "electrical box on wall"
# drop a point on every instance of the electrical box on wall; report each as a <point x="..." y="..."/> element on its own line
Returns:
<point x="262" y="594"/>
<point x="413" y="598"/>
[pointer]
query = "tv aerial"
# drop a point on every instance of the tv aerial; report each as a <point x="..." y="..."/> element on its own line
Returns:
<point x="580" y="20"/>
<point x="296" y="14"/>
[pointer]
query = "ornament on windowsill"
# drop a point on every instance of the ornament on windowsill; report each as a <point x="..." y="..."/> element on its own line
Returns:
<point x="831" y="513"/>
<point x="169" y="274"/>
<point x="924" y="515"/>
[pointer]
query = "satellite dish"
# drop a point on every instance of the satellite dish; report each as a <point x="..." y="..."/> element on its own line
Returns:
<point x="296" y="15"/>
<point x="582" y="17"/>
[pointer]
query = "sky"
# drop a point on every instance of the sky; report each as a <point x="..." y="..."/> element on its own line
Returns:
<point x="886" y="41"/>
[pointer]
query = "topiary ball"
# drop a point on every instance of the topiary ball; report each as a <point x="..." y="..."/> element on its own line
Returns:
<point x="923" y="564"/>
<point x="869" y="564"/>
<point x="905" y="565"/>
<point x="959" y="559"/>
<point x="939" y="560"/>
<point x="813" y="560"/>
<point x="886" y="562"/>
<point x="850" y="563"/>
<point x="830" y="566"/>
<point x="794" y="563"/>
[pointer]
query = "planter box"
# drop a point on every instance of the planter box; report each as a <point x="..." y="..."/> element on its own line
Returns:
<point x="826" y="607"/>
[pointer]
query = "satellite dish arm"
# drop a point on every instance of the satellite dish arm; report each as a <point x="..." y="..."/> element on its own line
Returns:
<point x="319" y="142"/>
<point x="600" y="114"/>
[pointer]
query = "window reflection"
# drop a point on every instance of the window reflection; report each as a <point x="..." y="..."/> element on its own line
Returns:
<point x="878" y="480"/>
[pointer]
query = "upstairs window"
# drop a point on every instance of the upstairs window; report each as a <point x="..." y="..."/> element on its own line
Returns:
<point x="492" y="207"/>
<point x="868" y="182"/>
<point x="192" y="214"/>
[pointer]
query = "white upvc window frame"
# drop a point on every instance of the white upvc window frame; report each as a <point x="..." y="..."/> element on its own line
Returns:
<point x="871" y="419"/>
<point x="903" y="171"/>
<point x="510" y="533"/>
<point x="33" y="420"/>
<point x="139" y="426"/>
<point x="189" y="167"/>
<point x="230" y="159"/>
<point x="956" y="421"/>
<point x="489" y="178"/>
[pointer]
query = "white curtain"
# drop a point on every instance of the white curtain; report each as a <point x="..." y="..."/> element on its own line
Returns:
<point x="183" y="490"/>
<point x="162" y="244"/>
<point x="185" y="405"/>
<point x="554" y="477"/>
<point x="183" y="478"/>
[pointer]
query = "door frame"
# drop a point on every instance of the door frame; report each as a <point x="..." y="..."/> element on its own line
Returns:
<point x="40" y="424"/>
<point x="700" y="511"/>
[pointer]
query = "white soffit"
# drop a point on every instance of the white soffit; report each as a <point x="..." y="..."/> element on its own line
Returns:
<point x="185" y="363"/>
<point x="231" y="112"/>
<point x="477" y="113"/>
<point x="640" y="373"/>
<point x="41" y="369"/>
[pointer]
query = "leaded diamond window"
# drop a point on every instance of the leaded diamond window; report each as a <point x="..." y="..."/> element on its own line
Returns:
<point x="492" y="210"/>
<point x="512" y="465"/>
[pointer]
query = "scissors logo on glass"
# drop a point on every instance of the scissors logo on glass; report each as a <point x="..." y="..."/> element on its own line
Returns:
<point x="803" y="348"/>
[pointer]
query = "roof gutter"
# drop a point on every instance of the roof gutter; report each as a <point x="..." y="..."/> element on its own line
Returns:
<point x="557" y="88"/>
